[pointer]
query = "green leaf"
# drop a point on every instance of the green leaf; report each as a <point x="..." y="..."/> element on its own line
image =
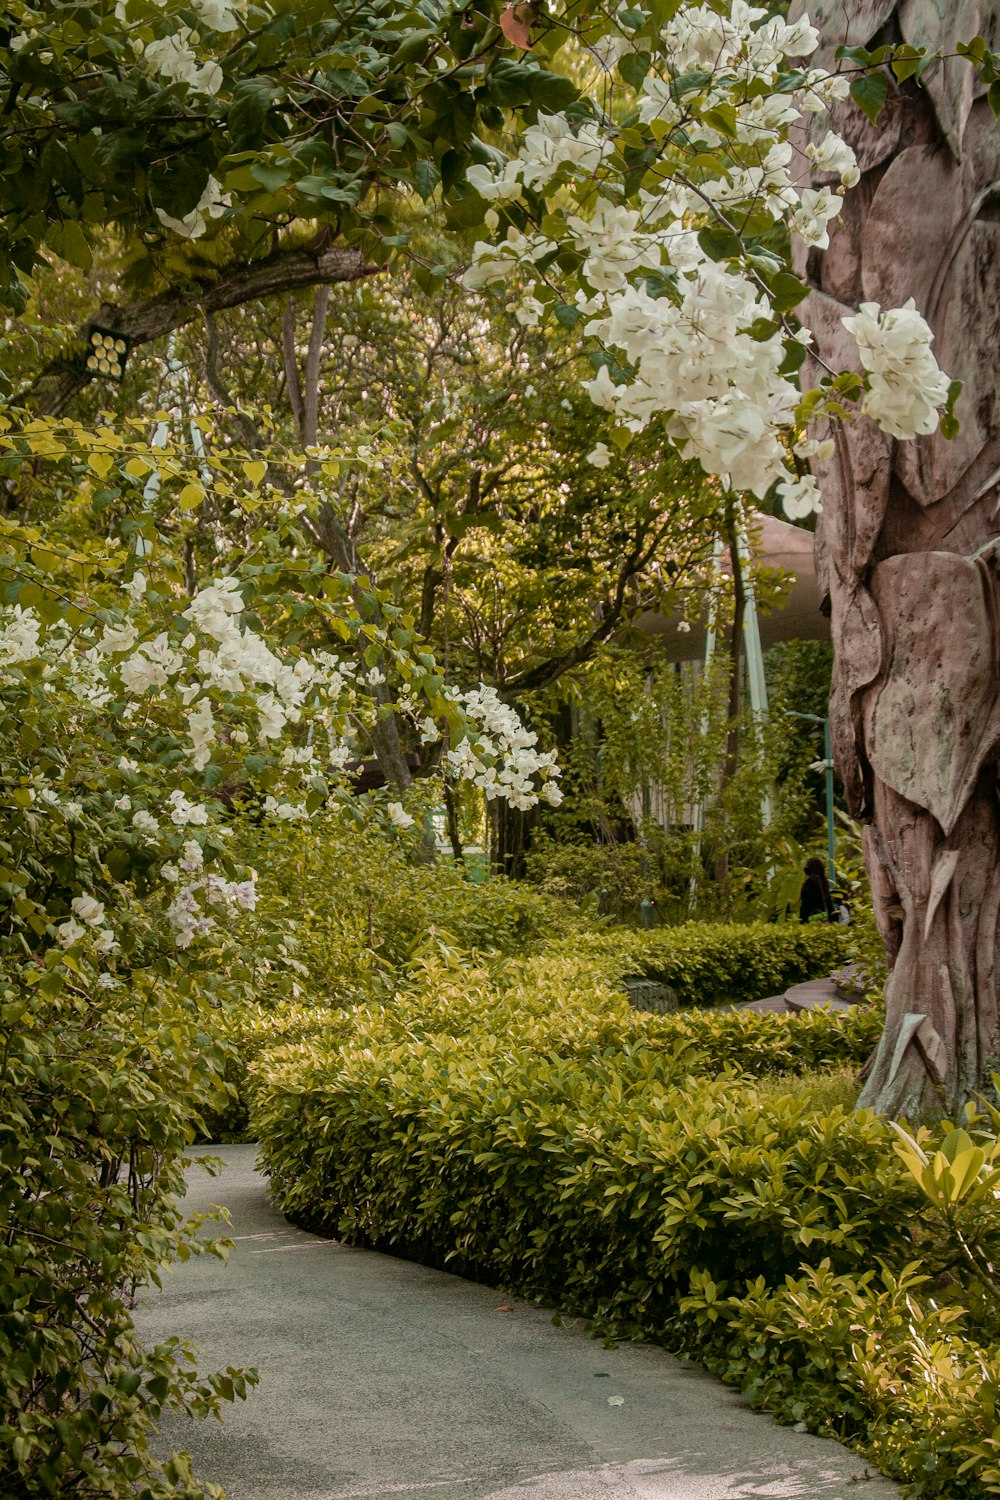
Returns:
<point x="909" y="62"/>
<point x="568" y="316"/>
<point x="425" y="178"/>
<point x="633" y="68"/>
<point x="67" y="239"/>
<point x="271" y="175"/>
<point x="870" y="93"/>
<point x="414" y="46"/>
<point x="722" y="117"/>
<point x="719" y="243"/>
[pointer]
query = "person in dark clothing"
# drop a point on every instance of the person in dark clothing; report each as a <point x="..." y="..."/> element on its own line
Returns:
<point x="814" y="897"/>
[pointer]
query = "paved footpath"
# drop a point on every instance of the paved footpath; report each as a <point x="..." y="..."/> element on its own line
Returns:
<point x="384" y="1378"/>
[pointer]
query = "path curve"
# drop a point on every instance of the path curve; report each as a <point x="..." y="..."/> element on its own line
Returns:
<point x="380" y="1377"/>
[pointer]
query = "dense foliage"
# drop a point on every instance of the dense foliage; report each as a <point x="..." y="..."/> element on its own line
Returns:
<point x="655" y="807"/>
<point x="186" y="639"/>
<point x="98" y="1095"/>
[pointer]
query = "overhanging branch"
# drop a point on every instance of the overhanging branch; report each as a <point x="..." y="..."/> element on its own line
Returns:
<point x="155" y="317"/>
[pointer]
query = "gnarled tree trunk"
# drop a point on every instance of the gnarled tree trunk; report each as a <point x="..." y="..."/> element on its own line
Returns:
<point x="908" y="547"/>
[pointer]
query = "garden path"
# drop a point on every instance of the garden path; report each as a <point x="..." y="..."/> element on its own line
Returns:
<point x="380" y="1377"/>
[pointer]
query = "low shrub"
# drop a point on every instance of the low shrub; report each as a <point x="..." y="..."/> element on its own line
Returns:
<point x="591" y="1158"/>
<point x="707" y="963"/>
<point x="567" y="997"/>
<point x="355" y="910"/>
<point x="869" y="1357"/>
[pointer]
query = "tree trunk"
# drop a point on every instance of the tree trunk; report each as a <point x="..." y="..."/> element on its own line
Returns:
<point x="908" y="553"/>
<point x="328" y="531"/>
<point x="737" y="667"/>
<point x="451" y="818"/>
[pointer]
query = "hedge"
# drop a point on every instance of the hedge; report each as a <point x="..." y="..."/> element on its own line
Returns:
<point x="707" y="963"/>
<point x="569" y="997"/>
<point x="688" y="1178"/>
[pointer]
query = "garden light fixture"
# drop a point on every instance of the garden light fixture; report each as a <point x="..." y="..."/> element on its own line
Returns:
<point x="107" y="352"/>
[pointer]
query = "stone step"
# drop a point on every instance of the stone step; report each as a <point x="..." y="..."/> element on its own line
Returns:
<point x="816" y="994"/>
<point x="773" y="1004"/>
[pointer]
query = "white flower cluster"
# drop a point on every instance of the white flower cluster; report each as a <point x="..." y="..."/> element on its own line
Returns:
<point x="503" y="759"/>
<point x="87" y="920"/>
<point x="211" y="205"/>
<point x="703" y="348"/>
<point x="905" y="385"/>
<point x="20" y="630"/>
<point x="285" y="812"/>
<point x="173" y="57"/>
<point x="189" y="918"/>
<point x="239" y="662"/>
<point x="182" y="687"/>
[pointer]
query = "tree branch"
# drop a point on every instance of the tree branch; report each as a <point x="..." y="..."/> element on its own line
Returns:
<point x="547" y="672"/>
<point x="155" y="317"/>
<point x="292" y="381"/>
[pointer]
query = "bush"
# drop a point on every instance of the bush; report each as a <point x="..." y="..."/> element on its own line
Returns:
<point x="528" y="1128"/>
<point x="97" y="1102"/>
<point x="356" y="909"/>
<point x="706" y="963"/>
<point x="567" y="999"/>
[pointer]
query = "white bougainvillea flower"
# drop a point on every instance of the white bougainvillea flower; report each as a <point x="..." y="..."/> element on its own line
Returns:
<point x="398" y="816"/>
<point x="811" y="220"/>
<point x="20" y="631"/>
<point x="174" y="57"/>
<point x="906" y="386"/>
<point x="211" y="205"/>
<point x="800" y="497"/>
<point x="834" y="156"/>
<point x="70" y="932"/>
<point x="88" y="909"/>
<point x="220" y="15"/>
<point x="496" y="187"/>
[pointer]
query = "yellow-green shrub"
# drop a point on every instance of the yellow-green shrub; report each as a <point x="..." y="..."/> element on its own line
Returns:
<point x="706" y="963"/>
<point x="689" y="1177"/>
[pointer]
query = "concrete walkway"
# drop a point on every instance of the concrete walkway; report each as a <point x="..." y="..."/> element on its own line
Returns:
<point x="383" y="1378"/>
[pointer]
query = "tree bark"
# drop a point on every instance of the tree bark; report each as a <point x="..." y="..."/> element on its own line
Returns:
<point x="155" y="317"/>
<point x="451" y="819"/>
<point x="908" y="554"/>
<point x="737" y="659"/>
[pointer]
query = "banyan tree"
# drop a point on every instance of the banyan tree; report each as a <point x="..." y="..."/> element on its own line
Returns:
<point x="908" y="549"/>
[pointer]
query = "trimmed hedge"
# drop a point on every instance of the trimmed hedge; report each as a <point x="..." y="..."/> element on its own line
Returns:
<point x="707" y="963"/>
<point x="567" y="997"/>
<point x="714" y="1215"/>
<point x="685" y="1177"/>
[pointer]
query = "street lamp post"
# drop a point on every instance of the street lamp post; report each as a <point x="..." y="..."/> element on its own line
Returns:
<point x="828" y="772"/>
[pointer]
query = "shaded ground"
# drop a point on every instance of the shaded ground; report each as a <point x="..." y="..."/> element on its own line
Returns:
<point x="381" y="1377"/>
